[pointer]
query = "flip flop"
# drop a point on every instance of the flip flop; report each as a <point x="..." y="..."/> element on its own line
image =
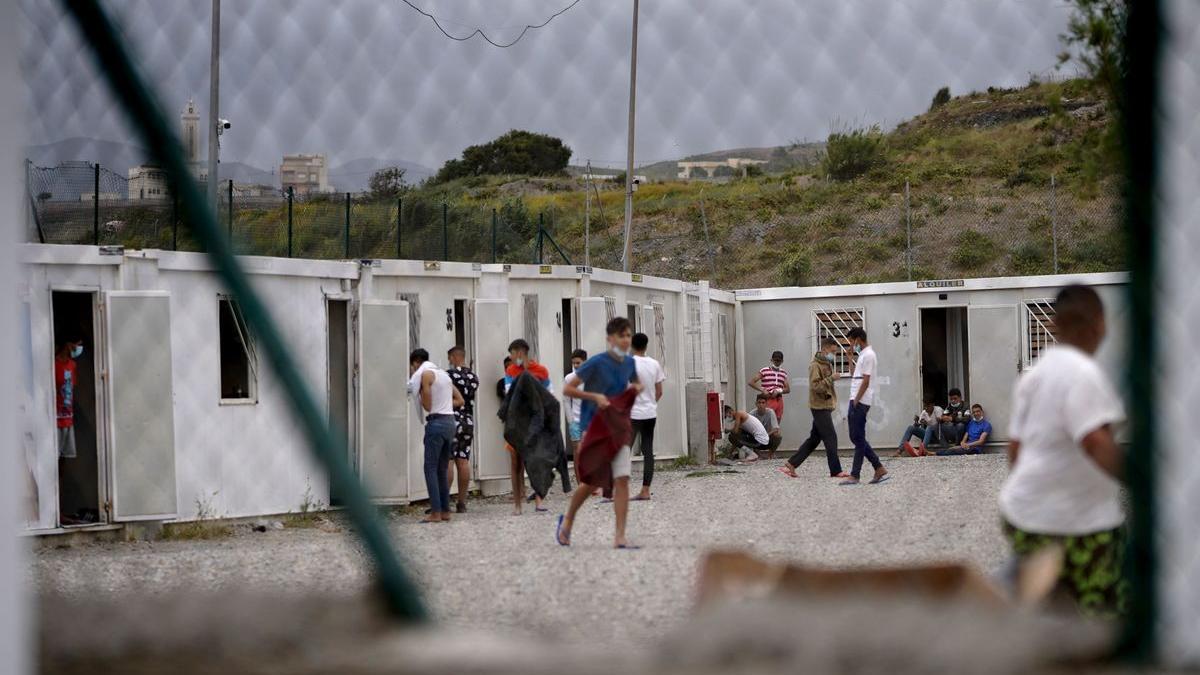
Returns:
<point x="790" y="474"/>
<point x="628" y="547"/>
<point x="605" y="500"/>
<point x="877" y="481"/>
<point x="558" y="532"/>
<point x="841" y="474"/>
<point x="640" y="498"/>
<point x="540" y="509"/>
<point x="848" y="482"/>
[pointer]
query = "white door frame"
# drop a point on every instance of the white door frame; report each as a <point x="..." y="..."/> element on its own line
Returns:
<point x="99" y="380"/>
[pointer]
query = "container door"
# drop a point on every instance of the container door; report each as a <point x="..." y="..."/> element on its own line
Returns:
<point x="994" y="361"/>
<point x="141" y="416"/>
<point x="592" y="317"/>
<point x="383" y="402"/>
<point x="491" y="335"/>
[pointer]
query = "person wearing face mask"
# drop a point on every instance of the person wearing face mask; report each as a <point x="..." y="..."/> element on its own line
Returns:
<point x="864" y="389"/>
<point x="977" y="433"/>
<point x="773" y="381"/>
<point x="822" y="400"/>
<point x="1064" y="482"/>
<point x="608" y="386"/>
<point x="520" y="362"/>
<point x="69" y="349"/>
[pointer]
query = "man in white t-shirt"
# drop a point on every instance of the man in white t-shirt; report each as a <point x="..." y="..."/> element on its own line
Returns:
<point x="747" y="434"/>
<point x="864" y="388"/>
<point x="437" y="398"/>
<point x="651" y="376"/>
<point x="1063" y="486"/>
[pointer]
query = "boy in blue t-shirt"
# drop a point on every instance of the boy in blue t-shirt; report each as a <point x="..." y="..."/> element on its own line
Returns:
<point x="602" y="376"/>
<point x="978" y="431"/>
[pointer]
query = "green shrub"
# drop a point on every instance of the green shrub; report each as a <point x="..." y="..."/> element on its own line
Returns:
<point x="796" y="268"/>
<point x="837" y="221"/>
<point x="942" y="97"/>
<point x="873" y="202"/>
<point x="972" y="249"/>
<point x="853" y="152"/>
<point x="1031" y="258"/>
<point x="994" y="208"/>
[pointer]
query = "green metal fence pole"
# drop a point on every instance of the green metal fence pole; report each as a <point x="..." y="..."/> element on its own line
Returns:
<point x="115" y="64"/>
<point x="399" y="227"/>
<point x="347" y="255"/>
<point x="445" y="231"/>
<point x="230" y="207"/>
<point x="291" y="197"/>
<point x="96" y="208"/>
<point x="493" y="235"/>
<point x="541" y="237"/>
<point x="1138" y="114"/>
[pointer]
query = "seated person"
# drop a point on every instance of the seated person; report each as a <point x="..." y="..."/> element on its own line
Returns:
<point x="978" y="431"/>
<point x="954" y="419"/>
<point x="746" y="434"/>
<point x="770" y="422"/>
<point x="925" y="425"/>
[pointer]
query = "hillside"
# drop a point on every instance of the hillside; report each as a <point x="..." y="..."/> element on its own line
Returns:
<point x="979" y="171"/>
<point x="992" y="177"/>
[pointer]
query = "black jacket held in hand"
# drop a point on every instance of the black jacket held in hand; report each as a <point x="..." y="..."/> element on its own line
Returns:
<point x="531" y="426"/>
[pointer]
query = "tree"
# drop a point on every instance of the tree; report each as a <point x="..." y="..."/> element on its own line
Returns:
<point x="1095" y="38"/>
<point x="516" y="152"/>
<point x="388" y="183"/>
<point x="941" y="98"/>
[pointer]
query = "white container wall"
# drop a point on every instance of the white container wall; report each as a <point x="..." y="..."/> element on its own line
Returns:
<point x="976" y="336"/>
<point x="170" y="424"/>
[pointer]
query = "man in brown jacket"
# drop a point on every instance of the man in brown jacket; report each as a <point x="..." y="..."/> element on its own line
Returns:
<point x="822" y="399"/>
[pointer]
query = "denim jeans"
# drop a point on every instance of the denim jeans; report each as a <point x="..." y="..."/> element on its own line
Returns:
<point x="439" y="444"/>
<point x="856" y="417"/>
<point x="927" y="434"/>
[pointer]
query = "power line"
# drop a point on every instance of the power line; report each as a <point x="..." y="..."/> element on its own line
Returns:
<point x="479" y="31"/>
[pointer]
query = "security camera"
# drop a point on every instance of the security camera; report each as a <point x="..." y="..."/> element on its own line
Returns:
<point x="222" y="125"/>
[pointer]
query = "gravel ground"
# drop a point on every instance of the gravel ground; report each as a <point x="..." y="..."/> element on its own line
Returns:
<point x="491" y="570"/>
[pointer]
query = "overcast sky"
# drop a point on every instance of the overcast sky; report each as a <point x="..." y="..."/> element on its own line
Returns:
<point x="373" y="78"/>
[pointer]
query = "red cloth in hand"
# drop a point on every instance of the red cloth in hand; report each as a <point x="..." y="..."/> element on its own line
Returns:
<point x="607" y="433"/>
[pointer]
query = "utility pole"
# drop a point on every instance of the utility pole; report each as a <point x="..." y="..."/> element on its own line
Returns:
<point x="213" y="92"/>
<point x="587" y="216"/>
<point x="628" y="252"/>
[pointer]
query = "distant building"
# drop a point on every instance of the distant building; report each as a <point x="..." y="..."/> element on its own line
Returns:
<point x="148" y="181"/>
<point x="190" y="120"/>
<point x="715" y="169"/>
<point x="306" y="174"/>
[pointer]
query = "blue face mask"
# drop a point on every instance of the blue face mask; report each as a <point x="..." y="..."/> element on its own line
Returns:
<point x="857" y="349"/>
<point x="77" y="351"/>
<point x="829" y="358"/>
<point x="617" y="351"/>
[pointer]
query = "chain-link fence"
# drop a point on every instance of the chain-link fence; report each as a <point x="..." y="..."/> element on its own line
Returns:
<point x="1016" y="167"/>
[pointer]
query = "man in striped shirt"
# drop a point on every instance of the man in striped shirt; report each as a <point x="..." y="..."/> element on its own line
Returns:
<point x="773" y="381"/>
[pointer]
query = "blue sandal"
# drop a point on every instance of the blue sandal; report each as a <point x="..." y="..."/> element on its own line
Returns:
<point x="558" y="533"/>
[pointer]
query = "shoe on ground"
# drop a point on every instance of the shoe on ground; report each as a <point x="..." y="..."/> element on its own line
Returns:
<point x="461" y="507"/>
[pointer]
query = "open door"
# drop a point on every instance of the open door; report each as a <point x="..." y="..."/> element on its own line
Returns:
<point x="141" y="419"/>
<point x="383" y="404"/>
<point x="593" y="316"/>
<point x="995" y="358"/>
<point x="491" y="346"/>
